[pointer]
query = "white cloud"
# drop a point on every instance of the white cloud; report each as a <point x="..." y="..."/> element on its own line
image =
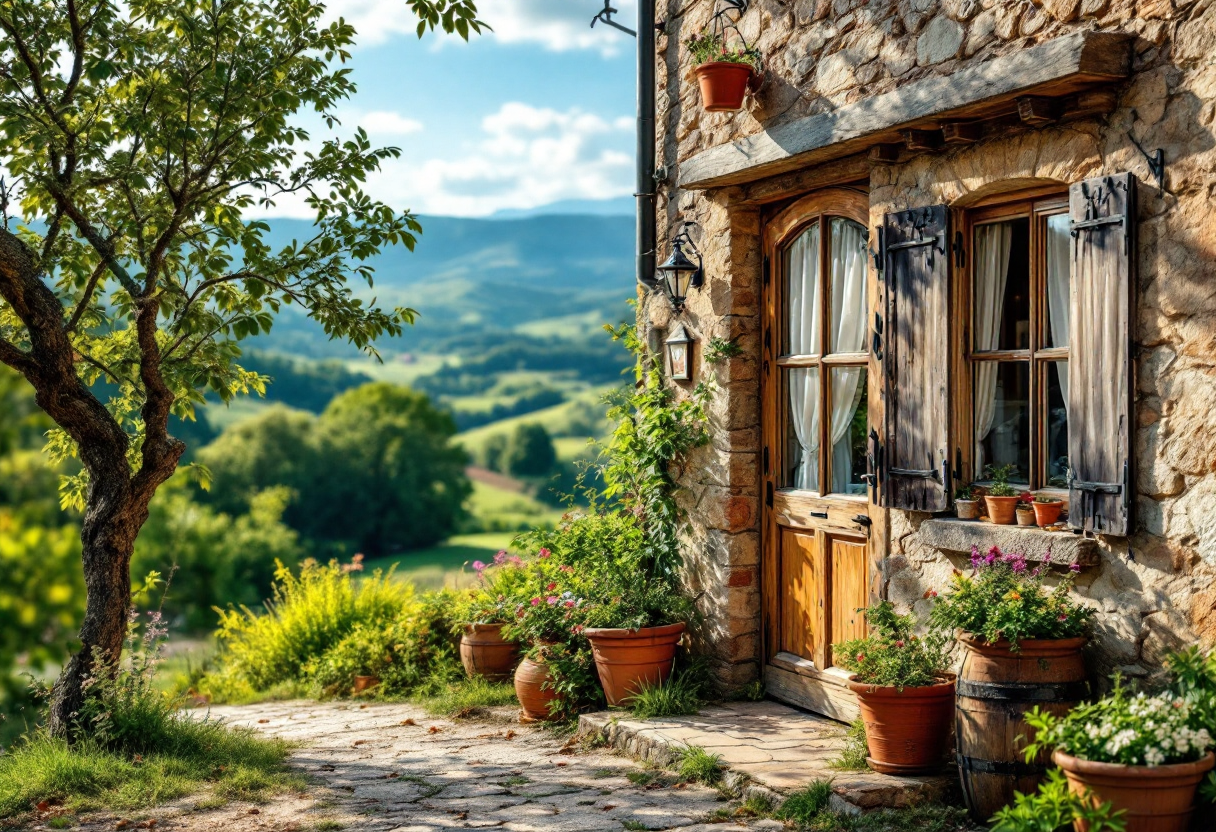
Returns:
<point x="387" y="123"/>
<point x="524" y="157"/>
<point x="557" y="25"/>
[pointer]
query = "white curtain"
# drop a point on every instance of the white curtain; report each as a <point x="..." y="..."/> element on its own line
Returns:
<point x="992" y="248"/>
<point x="802" y="275"/>
<point x="848" y="281"/>
<point x="1059" y="244"/>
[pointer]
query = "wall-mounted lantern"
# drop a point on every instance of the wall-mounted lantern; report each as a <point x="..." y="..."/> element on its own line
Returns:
<point x="678" y="272"/>
<point x="679" y="354"/>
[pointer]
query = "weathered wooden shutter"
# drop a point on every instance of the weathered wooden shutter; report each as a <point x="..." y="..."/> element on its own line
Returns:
<point x="916" y="360"/>
<point x="1100" y="366"/>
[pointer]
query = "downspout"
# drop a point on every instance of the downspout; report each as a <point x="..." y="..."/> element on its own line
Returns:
<point x="645" y="184"/>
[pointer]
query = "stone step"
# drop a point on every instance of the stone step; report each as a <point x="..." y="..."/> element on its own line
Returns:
<point x="770" y="748"/>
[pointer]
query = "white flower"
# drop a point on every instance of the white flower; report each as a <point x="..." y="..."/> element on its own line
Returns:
<point x="1153" y="756"/>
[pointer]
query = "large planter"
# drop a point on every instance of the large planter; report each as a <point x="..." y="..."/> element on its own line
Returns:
<point x="1156" y="798"/>
<point x="996" y="687"/>
<point x="534" y="697"/>
<point x="908" y="730"/>
<point x="364" y="683"/>
<point x="1001" y="510"/>
<point x="1047" y="513"/>
<point x="628" y="660"/>
<point x="485" y="653"/>
<point x="967" y="509"/>
<point x="723" y="85"/>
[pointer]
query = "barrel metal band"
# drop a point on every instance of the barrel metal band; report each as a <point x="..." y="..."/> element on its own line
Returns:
<point x="1000" y="767"/>
<point x="1021" y="692"/>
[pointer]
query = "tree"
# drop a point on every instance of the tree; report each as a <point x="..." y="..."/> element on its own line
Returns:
<point x="274" y="448"/>
<point x="530" y="451"/>
<point x="136" y="135"/>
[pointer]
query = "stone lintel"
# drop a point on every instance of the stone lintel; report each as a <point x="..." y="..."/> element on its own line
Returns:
<point x="1061" y="66"/>
<point x="952" y="535"/>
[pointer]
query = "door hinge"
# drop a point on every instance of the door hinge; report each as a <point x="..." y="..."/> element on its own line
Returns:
<point x="877" y="341"/>
<point x="765" y="271"/>
<point x="768" y="494"/>
<point x="960" y="252"/>
<point x="880" y="255"/>
<point x="766" y="460"/>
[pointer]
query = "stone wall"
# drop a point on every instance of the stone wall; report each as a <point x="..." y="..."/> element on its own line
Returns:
<point x="1155" y="589"/>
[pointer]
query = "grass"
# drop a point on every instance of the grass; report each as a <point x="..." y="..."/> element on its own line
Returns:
<point x="695" y="763"/>
<point x="558" y="419"/>
<point x="805" y="805"/>
<point x="808" y="809"/>
<point x="236" y="764"/>
<point x="466" y="698"/>
<point x="681" y="695"/>
<point x="443" y="565"/>
<point x="853" y="756"/>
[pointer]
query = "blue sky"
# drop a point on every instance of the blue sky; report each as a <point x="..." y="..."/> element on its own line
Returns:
<point x="537" y="112"/>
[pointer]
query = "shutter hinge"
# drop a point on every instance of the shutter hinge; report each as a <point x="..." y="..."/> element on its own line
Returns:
<point x="877" y="340"/>
<point x="960" y="251"/>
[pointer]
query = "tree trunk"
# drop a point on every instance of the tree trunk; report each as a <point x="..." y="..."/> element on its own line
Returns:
<point x="111" y="523"/>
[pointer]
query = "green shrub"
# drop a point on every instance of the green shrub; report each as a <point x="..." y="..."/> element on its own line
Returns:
<point x="856" y="749"/>
<point x="892" y="654"/>
<point x="1053" y="808"/>
<point x="804" y="806"/>
<point x="695" y="763"/>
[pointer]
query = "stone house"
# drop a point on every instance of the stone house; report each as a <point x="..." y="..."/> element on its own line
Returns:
<point x="935" y="237"/>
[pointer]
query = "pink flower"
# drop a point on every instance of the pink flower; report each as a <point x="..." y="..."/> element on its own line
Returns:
<point x="569" y="603"/>
<point x="544" y="553"/>
<point x="551" y="600"/>
<point x="1063" y="616"/>
<point x="536" y="602"/>
<point x="501" y="557"/>
<point x="478" y="565"/>
<point x="565" y="568"/>
<point x="516" y="559"/>
<point x="1074" y="567"/>
<point x="899" y="643"/>
<point x="576" y="629"/>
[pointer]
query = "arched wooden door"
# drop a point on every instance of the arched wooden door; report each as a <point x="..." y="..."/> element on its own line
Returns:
<point x="820" y="380"/>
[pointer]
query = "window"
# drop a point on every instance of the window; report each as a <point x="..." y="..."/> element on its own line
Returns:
<point x="1018" y="295"/>
<point x="823" y="368"/>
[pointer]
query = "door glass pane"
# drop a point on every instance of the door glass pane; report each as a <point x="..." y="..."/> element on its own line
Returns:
<point x="847" y="268"/>
<point x="1056" y="446"/>
<point x="802" y="303"/>
<point x="802" y="429"/>
<point x="1001" y="295"/>
<point x="848" y="392"/>
<point x="1002" y="417"/>
<point x="1059" y="248"/>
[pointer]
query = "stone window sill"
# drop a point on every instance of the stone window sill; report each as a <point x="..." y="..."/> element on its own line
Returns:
<point x="952" y="535"/>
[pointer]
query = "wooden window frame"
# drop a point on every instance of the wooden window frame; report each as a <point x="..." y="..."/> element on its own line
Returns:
<point x="818" y="208"/>
<point x="1036" y="206"/>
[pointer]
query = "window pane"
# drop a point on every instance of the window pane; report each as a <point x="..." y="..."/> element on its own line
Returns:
<point x="1056" y="464"/>
<point x="1002" y="417"/>
<point x="1059" y="248"/>
<point x="802" y="294"/>
<point x="1001" y="295"/>
<point x="802" y="429"/>
<point x="848" y="429"/>
<point x="847" y="267"/>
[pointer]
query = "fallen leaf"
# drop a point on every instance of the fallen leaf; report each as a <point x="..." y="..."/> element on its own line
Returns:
<point x="122" y="824"/>
<point x="407" y="722"/>
<point x="393" y="774"/>
<point x="43" y="805"/>
<point x="607" y="808"/>
<point x="263" y="721"/>
<point x="359" y="742"/>
<point x="255" y="811"/>
<point x="559" y="765"/>
<point x="434" y="729"/>
<point x="361" y="707"/>
<point x="510" y="735"/>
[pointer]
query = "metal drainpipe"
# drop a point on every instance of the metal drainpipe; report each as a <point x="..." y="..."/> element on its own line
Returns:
<point x="645" y="185"/>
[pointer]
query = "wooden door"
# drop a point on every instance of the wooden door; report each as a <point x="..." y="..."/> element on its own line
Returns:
<point x="819" y="390"/>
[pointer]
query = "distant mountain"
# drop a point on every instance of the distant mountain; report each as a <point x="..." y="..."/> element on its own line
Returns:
<point x="623" y="206"/>
<point x="474" y="276"/>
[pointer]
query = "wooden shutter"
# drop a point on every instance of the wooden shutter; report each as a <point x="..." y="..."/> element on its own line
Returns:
<point x="1100" y="367"/>
<point x="916" y="360"/>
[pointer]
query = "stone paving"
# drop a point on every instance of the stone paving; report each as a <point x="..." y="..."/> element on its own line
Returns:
<point x="391" y="768"/>
<point x="777" y="746"/>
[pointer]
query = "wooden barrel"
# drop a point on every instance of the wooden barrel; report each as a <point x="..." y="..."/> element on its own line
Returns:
<point x="996" y="687"/>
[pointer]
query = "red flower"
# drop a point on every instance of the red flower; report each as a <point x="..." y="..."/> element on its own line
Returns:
<point x="569" y="603"/>
<point x="552" y="586"/>
<point x="899" y="643"/>
<point x="544" y="553"/>
<point x="535" y="602"/>
<point x="861" y="657"/>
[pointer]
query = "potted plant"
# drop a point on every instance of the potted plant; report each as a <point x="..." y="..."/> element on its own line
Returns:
<point x="1025" y="509"/>
<point x="1001" y="497"/>
<point x="1047" y="509"/>
<point x="724" y="70"/>
<point x="1022" y="646"/>
<point x="483" y="611"/>
<point x="904" y="690"/>
<point x="966" y="506"/>
<point x="1144" y="755"/>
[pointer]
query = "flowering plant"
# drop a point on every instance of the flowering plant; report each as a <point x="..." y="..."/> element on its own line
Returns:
<point x="892" y="654"/>
<point x="1000" y="474"/>
<point x="713" y="46"/>
<point x="494" y="598"/>
<point x="1003" y="598"/>
<point x="1139" y="730"/>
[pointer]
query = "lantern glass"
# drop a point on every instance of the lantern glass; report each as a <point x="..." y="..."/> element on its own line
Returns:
<point x="678" y="356"/>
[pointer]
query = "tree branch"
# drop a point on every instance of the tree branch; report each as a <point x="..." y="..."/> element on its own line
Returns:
<point x="19" y="360"/>
<point x="83" y="305"/>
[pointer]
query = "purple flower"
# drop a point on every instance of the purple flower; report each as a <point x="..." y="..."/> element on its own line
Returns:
<point x="501" y="557"/>
<point x="1074" y="567"/>
<point x="478" y="565"/>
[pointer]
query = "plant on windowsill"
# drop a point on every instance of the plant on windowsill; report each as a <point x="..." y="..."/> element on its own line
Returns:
<point x="966" y="506"/>
<point x="1047" y="509"/>
<point x="1001" y="497"/>
<point x="904" y="690"/>
<point x="724" y="70"/>
<point x="1025" y="509"/>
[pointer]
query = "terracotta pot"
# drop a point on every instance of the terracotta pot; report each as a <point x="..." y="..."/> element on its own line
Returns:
<point x="1001" y="509"/>
<point x="1047" y="513"/>
<point x="996" y="687"/>
<point x="629" y="660"/>
<point x="907" y="731"/>
<point x="363" y="683"/>
<point x="485" y="653"/>
<point x="534" y="698"/>
<point x="1026" y="517"/>
<point x="967" y="509"/>
<point x="1156" y="798"/>
<point x="723" y="85"/>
